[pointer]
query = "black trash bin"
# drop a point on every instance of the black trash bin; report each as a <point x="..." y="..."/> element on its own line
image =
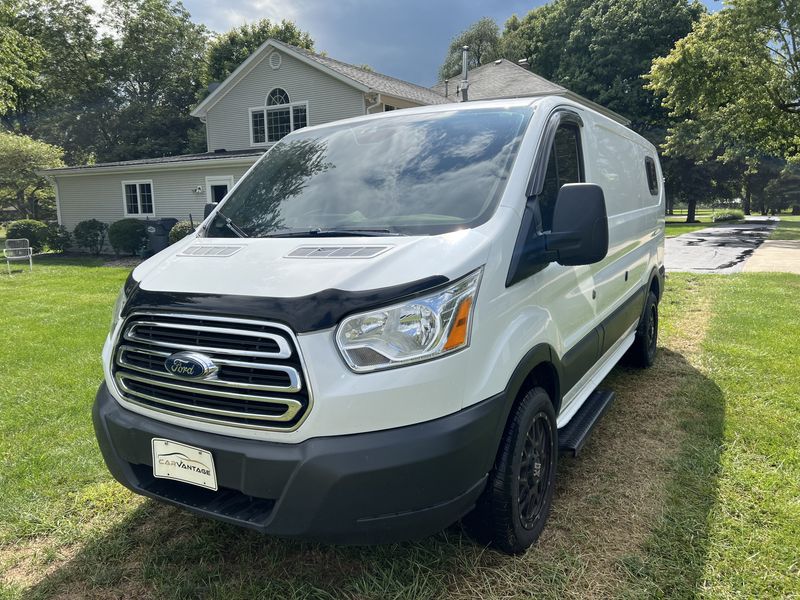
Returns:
<point x="158" y="234"/>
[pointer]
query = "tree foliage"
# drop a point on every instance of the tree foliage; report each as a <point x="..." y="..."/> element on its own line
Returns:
<point x="21" y="187"/>
<point x="228" y="50"/>
<point x="19" y="58"/>
<point x="483" y="39"/>
<point x="602" y="49"/>
<point x="732" y="84"/>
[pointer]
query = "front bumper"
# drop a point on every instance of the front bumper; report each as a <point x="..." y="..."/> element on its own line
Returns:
<point x="376" y="487"/>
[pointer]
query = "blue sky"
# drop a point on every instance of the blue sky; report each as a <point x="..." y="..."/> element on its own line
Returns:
<point x="403" y="38"/>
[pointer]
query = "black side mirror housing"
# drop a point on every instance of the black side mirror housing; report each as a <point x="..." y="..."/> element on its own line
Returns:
<point x="208" y="209"/>
<point x="580" y="225"/>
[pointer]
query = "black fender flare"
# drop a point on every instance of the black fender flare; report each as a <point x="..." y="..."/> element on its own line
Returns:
<point x="540" y="354"/>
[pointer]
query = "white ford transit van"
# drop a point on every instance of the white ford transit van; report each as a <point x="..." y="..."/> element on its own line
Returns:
<point x="391" y="323"/>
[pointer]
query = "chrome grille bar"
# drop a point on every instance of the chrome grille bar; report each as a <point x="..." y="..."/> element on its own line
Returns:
<point x="283" y="348"/>
<point x="291" y="406"/>
<point x="292" y="374"/>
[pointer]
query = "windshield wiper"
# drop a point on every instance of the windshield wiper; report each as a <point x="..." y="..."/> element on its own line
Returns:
<point x="232" y="226"/>
<point x="319" y="232"/>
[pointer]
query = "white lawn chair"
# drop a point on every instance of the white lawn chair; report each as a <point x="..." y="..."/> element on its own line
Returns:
<point x="19" y="249"/>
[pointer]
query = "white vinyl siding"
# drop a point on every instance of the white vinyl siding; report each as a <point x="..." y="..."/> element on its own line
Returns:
<point x="177" y="193"/>
<point x="229" y="122"/>
<point x="137" y="198"/>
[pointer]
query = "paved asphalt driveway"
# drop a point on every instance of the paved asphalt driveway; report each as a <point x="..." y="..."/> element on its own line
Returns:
<point x="722" y="249"/>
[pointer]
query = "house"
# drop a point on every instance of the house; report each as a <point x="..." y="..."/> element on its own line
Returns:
<point x="278" y="89"/>
<point x="505" y="79"/>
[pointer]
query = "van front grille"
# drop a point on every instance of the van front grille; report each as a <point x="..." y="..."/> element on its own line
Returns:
<point x="258" y="381"/>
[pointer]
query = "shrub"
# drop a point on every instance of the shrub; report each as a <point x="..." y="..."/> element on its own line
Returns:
<point x="128" y="236"/>
<point x="34" y="231"/>
<point x="91" y="235"/>
<point x="58" y="238"/>
<point x="180" y="230"/>
<point x="727" y="214"/>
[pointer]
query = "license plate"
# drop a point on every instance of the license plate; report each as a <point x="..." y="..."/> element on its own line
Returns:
<point x="180" y="462"/>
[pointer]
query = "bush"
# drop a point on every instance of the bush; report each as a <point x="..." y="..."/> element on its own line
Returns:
<point x="180" y="230"/>
<point x="91" y="235"/>
<point x="34" y="231"/>
<point x="58" y="238"/>
<point x="728" y="214"/>
<point x="128" y="236"/>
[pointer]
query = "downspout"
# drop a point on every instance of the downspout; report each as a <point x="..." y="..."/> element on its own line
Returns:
<point x="464" y="75"/>
<point x="374" y="104"/>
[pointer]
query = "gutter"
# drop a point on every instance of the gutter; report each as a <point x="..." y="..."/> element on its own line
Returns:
<point x="202" y="163"/>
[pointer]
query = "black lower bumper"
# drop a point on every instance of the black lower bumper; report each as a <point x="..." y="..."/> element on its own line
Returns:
<point x="366" y="488"/>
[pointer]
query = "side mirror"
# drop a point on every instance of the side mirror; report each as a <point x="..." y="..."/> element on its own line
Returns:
<point x="208" y="209"/>
<point x="580" y="225"/>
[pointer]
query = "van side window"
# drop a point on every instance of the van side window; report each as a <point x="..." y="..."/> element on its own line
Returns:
<point x="564" y="165"/>
<point x="652" y="177"/>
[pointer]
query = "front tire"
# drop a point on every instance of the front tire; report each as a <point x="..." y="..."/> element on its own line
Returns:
<point x="514" y="507"/>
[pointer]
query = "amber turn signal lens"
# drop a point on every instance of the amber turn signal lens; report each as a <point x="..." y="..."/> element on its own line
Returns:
<point x="458" y="334"/>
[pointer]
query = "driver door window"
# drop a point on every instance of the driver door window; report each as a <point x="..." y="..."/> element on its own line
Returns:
<point x="564" y="165"/>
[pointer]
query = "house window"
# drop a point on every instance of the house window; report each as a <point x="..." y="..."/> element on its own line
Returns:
<point x="388" y="107"/>
<point x="259" y="127"/>
<point x="279" y="118"/>
<point x="277" y="96"/>
<point x="138" y="197"/>
<point x="217" y="187"/>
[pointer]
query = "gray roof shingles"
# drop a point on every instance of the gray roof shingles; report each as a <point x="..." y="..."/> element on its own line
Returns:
<point x="377" y="81"/>
<point x="501" y="79"/>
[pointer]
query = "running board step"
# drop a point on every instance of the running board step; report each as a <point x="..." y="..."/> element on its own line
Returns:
<point x="573" y="435"/>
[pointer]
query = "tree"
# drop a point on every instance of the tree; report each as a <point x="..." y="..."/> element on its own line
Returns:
<point x="123" y="95"/>
<point x="483" y="39"/>
<point x="729" y="85"/>
<point x="73" y="82"/>
<point x="735" y="81"/>
<point x="603" y="49"/>
<point x="20" y="186"/>
<point x="19" y="58"/>
<point x="228" y="50"/>
<point x="157" y="68"/>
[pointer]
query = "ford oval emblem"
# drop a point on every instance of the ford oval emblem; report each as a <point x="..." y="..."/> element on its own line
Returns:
<point x="190" y="364"/>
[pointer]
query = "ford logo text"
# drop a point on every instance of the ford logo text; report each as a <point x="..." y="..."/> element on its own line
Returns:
<point x="192" y="365"/>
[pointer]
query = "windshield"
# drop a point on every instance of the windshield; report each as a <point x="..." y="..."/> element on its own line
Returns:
<point x="418" y="174"/>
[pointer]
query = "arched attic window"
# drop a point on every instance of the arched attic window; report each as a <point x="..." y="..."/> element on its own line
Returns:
<point x="279" y="118"/>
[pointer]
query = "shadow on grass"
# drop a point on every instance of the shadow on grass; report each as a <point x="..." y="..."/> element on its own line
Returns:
<point x="630" y="517"/>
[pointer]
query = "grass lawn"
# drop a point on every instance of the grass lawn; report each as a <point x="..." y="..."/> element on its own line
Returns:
<point x="689" y="486"/>
<point x="676" y="223"/>
<point x="788" y="228"/>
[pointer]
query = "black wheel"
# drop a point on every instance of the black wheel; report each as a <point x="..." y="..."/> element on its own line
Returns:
<point x="643" y="351"/>
<point x="515" y="505"/>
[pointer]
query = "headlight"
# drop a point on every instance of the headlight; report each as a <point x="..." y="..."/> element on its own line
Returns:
<point x="122" y="298"/>
<point x="414" y="331"/>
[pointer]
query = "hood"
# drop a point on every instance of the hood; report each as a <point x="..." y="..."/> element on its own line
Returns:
<point x="294" y="267"/>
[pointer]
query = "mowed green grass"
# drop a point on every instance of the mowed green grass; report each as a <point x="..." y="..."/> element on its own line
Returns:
<point x="788" y="228"/>
<point x="53" y="324"/>
<point x="710" y="434"/>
